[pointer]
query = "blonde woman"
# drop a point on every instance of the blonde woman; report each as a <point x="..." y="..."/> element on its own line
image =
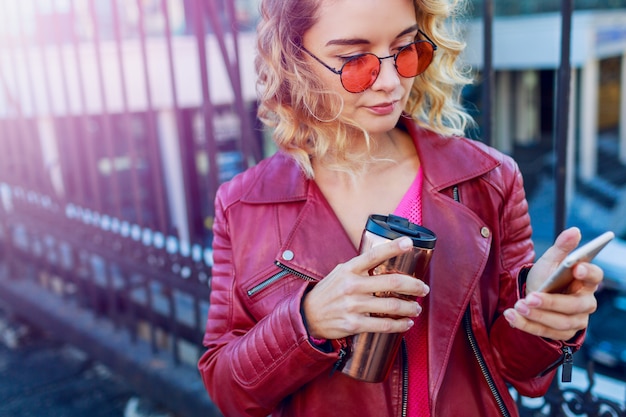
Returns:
<point x="362" y="97"/>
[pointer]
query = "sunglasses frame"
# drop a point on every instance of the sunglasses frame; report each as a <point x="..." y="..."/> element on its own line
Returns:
<point x="380" y="60"/>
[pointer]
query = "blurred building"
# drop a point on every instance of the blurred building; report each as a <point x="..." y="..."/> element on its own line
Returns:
<point x="526" y="58"/>
<point x="85" y="59"/>
<point x="90" y="80"/>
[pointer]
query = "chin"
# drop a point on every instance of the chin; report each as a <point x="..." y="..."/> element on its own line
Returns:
<point x="380" y="125"/>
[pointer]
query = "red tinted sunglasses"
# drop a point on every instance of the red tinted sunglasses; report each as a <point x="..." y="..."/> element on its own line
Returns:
<point x="359" y="72"/>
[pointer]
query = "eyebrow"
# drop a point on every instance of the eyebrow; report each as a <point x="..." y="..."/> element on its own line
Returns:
<point x="359" y="41"/>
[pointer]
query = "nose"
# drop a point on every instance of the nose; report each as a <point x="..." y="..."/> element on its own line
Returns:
<point x="388" y="78"/>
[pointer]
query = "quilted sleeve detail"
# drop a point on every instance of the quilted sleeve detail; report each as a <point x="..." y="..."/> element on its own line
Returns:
<point x="249" y="367"/>
<point x="522" y="358"/>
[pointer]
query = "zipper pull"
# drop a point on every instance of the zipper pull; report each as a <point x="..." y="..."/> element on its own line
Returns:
<point x="568" y="364"/>
<point x="343" y="351"/>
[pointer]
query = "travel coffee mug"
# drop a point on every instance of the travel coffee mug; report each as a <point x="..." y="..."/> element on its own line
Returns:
<point x="371" y="354"/>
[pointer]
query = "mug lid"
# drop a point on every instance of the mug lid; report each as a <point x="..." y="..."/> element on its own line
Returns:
<point x="393" y="227"/>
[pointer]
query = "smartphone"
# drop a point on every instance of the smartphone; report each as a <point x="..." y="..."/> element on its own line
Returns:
<point x="562" y="276"/>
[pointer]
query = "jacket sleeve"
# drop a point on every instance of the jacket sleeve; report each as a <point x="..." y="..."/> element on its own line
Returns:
<point x="249" y="366"/>
<point x="526" y="361"/>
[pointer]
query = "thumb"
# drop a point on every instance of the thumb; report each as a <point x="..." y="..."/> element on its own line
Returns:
<point x="565" y="242"/>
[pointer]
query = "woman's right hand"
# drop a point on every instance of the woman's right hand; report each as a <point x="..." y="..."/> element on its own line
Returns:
<point x="342" y="304"/>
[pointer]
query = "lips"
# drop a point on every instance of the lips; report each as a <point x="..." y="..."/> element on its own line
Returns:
<point x="383" y="108"/>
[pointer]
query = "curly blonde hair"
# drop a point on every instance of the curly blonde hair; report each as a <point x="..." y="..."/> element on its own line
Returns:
<point x="304" y="115"/>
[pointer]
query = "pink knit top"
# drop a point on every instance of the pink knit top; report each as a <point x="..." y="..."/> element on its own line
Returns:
<point x="417" y="337"/>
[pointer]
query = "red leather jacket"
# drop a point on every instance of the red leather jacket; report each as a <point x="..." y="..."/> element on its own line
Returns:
<point x="275" y="235"/>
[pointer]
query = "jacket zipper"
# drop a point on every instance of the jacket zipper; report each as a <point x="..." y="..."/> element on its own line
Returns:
<point x="568" y="363"/>
<point x="483" y="366"/>
<point x="285" y="270"/>
<point x="405" y="378"/>
<point x="341" y="356"/>
<point x="455" y="193"/>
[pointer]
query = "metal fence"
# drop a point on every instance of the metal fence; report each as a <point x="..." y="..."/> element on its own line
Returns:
<point x="106" y="188"/>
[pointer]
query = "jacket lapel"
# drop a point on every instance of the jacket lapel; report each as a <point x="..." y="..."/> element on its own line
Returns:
<point x="449" y="161"/>
<point x="457" y="263"/>
<point x="318" y="241"/>
<point x="461" y="251"/>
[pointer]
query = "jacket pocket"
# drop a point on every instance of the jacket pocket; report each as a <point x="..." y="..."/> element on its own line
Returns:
<point x="283" y="272"/>
<point x="271" y="288"/>
<point x="267" y="283"/>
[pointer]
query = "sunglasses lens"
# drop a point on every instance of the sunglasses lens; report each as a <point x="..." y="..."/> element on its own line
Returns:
<point x="407" y="61"/>
<point x="414" y="59"/>
<point x="360" y="73"/>
<point x="425" y="52"/>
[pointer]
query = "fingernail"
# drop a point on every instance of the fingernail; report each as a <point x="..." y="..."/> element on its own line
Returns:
<point x="522" y="308"/>
<point x="426" y="289"/>
<point x="418" y="310"/>
<point x="405" y="243"/>
<point x="510" y="317"/>
<point x="533" y="300"/>
<point x="581" y="271"/>
<point x="410" y="324"/>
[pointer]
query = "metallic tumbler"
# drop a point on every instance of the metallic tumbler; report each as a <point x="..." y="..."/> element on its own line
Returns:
<point x="372" y="354"/>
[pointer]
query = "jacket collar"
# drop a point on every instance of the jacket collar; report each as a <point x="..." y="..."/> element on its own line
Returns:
<point x="435" y="150"/>
<point x="288" y="183"/>
<point x="278" y="179"/>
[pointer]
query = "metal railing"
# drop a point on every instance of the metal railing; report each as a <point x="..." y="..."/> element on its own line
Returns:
<point x="106" y="187"/>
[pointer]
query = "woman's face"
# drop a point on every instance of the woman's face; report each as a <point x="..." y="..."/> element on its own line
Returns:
<point x="349" y="27"/>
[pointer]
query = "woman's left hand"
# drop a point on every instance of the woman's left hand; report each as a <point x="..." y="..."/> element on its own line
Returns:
<point x="557" y="316"/>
